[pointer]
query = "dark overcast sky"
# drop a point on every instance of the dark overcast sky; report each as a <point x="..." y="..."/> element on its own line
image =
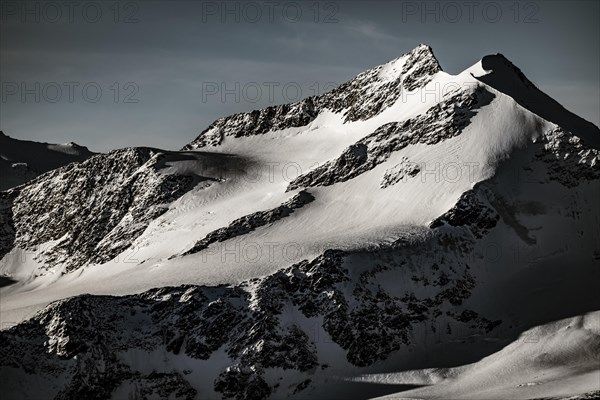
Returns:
<point x="169" y="55"/>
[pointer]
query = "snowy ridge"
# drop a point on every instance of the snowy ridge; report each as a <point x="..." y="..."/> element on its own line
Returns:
<point x="504" y="76"/>
<point x="523" y="369"/>
<point x="261" y="324"/>
<point x="358" y="99"/>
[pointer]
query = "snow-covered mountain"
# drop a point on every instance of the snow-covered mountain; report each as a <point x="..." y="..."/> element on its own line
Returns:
<point x="23" y="160"/>
<point x="409" y="230"/>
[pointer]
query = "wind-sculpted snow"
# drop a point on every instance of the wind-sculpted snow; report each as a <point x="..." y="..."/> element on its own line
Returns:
<point x="443" y="121"/>
<point x="368" y="303"/>
<point x="93" y="210"/>
<point x="250" y="222"/>
<point x="361" y="98"/>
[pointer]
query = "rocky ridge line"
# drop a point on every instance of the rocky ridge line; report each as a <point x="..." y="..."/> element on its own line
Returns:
<point x="361" y="98"/>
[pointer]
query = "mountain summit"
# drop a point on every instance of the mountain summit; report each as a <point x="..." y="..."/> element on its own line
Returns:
<point x="410" y="230"/>
<point x="504" y="76"/>
<point x="361" y="98"/>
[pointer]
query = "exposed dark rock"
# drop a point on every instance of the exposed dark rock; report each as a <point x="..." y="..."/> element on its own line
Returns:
<point x="248" y="223"/>
<point x="360" y="98"/>
<point x="442" y="121"/>
<point x="399" y="172"/>
<point x="471" y="211"/>
<point x="242" y="384"/>
<point x="568" y="160"/>
<point x="93" y="210"/>
<point x="247" y="322"/>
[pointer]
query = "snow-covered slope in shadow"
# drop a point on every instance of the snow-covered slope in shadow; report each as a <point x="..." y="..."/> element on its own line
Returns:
<point x="23" y="160"/>
<point x="505" y="77"/>
<point x="558" y="360"/>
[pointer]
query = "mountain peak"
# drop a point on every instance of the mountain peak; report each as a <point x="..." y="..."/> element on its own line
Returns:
<point x="501" y="74"/>
<point x="361" y="98"/>
<point x="500" y="64"/>
<point x="76" y="146"/>
<point x="420" y="59"/>
<point x="424" y="51"/>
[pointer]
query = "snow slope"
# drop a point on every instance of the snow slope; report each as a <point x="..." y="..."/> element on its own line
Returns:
<point x="555" y="360"/>
<point x="460" y="206"/>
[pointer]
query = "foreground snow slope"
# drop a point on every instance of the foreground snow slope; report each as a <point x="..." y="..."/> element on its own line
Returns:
<point x="555" y="360"/>
<point x="310" y="243"/>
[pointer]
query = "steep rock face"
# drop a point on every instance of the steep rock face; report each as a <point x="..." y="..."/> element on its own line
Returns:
<point x="257" y="122"/>
<point x="472" y="210"/>
<point x="568" y="160"/>
<point x="442" y="121"/>
<point x="260" y="325"/>
<point x="7" y="226"/>
<point x="374" y="90"/>
<point x="93" y="210"/>
<point x="358" y="99"/>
